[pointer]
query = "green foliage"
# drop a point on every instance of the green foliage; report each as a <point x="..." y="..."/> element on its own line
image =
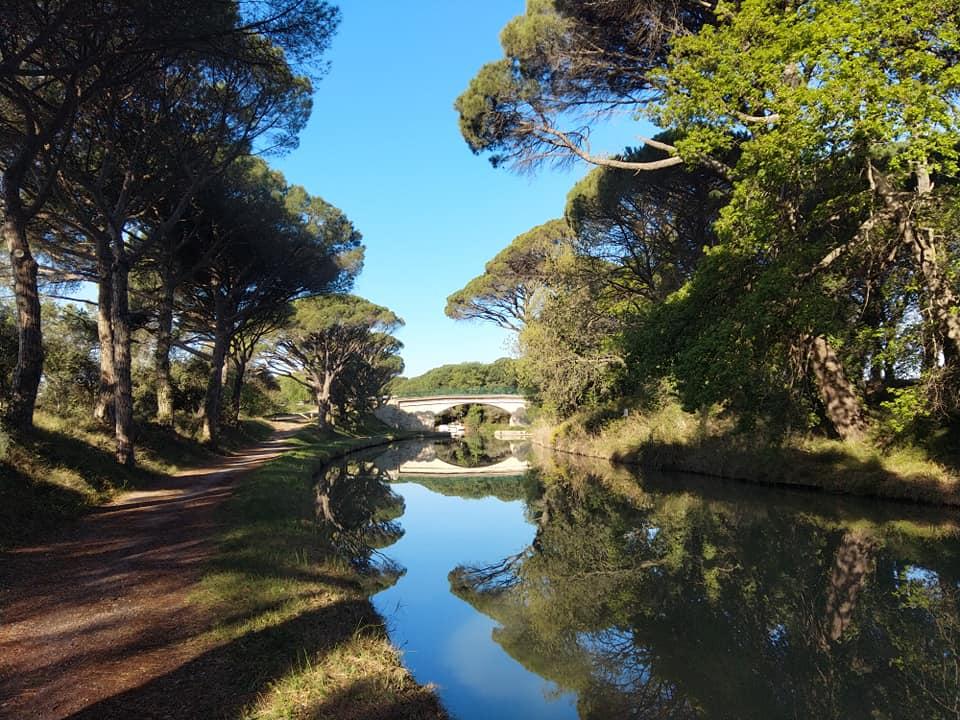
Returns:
<point x="8" y="347"/>
<point x="259" y="396"/>
<point x="292" y="396"/>
<point x="801" y="263"/>
<point x="70" y="373"/>
<point x="189" y="383"/>
<point x="499" y="376"/>
<point x="341" y="348"/>
<point x="513" y="282"/>
<point x="571" y="354"/>
<point x="905" y="413"/>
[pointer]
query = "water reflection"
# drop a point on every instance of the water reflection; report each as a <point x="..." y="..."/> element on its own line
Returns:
<point x="672" y="605"/>
<point x="356" y="513"/>
<point x="660" y="596"/>
<point x="474" y="450"/>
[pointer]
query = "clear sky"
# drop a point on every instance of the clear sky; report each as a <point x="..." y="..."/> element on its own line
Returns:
<point x="383" y="145"/>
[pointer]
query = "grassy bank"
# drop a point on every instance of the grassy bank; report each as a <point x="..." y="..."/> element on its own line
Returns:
<point x="65" y="467"/>
<point x="668" y="438"/>
<point x="298" y="637"/>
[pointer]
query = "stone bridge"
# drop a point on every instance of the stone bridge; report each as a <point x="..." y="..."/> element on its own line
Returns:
<point x="420" y="413"/>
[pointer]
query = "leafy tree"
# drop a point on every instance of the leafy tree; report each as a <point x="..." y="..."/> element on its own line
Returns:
<point x="645" y="232"/>
<point x="566" y="64"/>
<point x="833" y="128"/>
<point x="66" y="61"/>
<point x="70" y="372"/>
<point x="8" y="347"/>
<point x="330" y="341"/>
<point x="571" y="354"/>
<point x="261" y="255"/>
<point x="513" y="281"/>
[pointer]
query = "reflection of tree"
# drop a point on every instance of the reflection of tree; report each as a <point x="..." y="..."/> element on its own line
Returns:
<point x="356" y="512"/>
<point x="466" y="486"/>
<point x="851" y="566"/>
<point x="673" y="606"/>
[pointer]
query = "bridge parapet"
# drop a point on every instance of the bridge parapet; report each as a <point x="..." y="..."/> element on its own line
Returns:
<point x="420" y="412"/>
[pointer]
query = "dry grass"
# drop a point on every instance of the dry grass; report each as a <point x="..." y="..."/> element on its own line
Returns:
<point x="668" y="438"/>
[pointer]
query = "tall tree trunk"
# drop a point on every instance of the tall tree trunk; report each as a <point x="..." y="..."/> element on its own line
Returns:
<point x="214" y="396"/>
<point x="26" y="374"/>
<point x="120" y="320"/>
<point x="240" y="369"/>
<point x="322" y="394"/>
<point x="161" y="354"/>
<point x="103" y="409"/>
<point x="942" y="301"/>
<point x="840" y="399"/>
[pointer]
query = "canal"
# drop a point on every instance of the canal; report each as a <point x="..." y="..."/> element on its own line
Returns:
<point x="577" y="589"/>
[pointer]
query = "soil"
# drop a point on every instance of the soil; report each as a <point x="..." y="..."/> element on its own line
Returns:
<point x="105" y="608"/>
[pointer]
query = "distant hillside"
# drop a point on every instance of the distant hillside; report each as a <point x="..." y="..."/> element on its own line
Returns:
<point x="471" y="377"/>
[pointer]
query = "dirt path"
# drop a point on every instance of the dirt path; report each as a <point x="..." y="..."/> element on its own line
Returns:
<point x="105" y="608"/>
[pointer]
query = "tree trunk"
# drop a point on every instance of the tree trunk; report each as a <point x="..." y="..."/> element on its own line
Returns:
<point x="103" y="409"/>
<point x="240" y="369"/>
<point x="323" y="400"/>
<point x="26" y="374"/>
<point x="942" y="300"/>
<point x="941" y="297"/>
<point x="120" y="320"/>
<point x="214" y="397"/>
<point x="162" y="354"/>
<point x="839" y="396"/>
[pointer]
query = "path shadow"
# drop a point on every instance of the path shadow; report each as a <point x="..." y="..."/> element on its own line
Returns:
<point x="222" y="681"/>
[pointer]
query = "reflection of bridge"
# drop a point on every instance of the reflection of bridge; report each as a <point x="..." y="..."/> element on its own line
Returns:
<point x="437" y="467"/>
<point x="421" y="412"/>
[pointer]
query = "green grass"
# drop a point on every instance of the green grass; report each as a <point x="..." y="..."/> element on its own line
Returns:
<point x="668" y="438"/>
<point x="297" y="637"/>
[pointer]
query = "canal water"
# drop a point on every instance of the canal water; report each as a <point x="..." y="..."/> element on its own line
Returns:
<point x="576" y="589"/>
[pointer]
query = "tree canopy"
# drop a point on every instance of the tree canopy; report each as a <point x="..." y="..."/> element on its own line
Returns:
<point x="508" y="290"/>
<point x="341" y="348"/>
<point x="497" y="377"/>
<point x="786" y="248"/>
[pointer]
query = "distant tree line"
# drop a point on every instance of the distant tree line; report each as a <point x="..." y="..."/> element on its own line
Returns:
<point x="130" y="136"/>
<point x="499" y="376"/>
<point x="786" y="250"/>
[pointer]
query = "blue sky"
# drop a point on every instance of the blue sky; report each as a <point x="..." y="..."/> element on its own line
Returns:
<point x="383" y="145"/>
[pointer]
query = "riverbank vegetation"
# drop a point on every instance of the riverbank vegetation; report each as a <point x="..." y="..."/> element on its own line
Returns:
<point x="771" y="281"/>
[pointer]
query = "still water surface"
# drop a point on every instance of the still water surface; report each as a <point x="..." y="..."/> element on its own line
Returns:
<point x="589" y="591"/>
